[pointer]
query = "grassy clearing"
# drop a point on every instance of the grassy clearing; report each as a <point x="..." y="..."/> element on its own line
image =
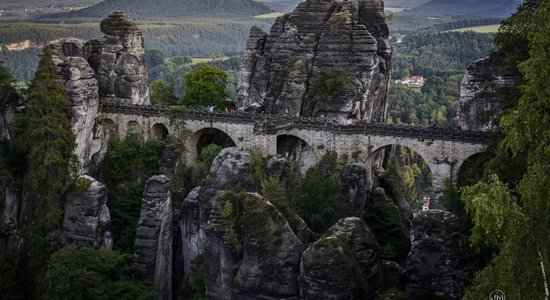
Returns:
<point x="480" y="29"/>
<point x="394" y="9"/>
<point x="272" y="15"/>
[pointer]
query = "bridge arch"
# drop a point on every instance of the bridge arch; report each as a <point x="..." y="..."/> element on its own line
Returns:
<point x="159" y="131"/>
<point x="204" y="137"/>
<point x="109" y="128"/>
<point x="296" y="149"/>
<point x="383" y="154"/>
<point x="135" y="128"/>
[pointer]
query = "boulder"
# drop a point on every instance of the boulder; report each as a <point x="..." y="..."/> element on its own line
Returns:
<point x="437" y="263"/>
<point x="153" y="245"/>
<point x="393" y="274"/>
<point x="251" y="251"/>
<point x="87" y="220"/>
<point x="343" y="264"/>
<point x="326" y="58"/>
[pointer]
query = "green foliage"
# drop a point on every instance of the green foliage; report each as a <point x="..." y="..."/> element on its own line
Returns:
<point x="512" y="213"/>
<point x="94" y="274"/>
<point x="393" y="181"/>
<point x="126" y="168"/>
<point x="163" y="94"/>
<point x="328" y="85"/>
<point x="206" y="158"/>
<point x="318" y="196"/>
<point x="193" y="285"/>
<point x="436" y="102"/>
<point x="205" y="86"/>
<point x="11" y="287"/>
<point x="274" y="191"/>
<point x="440" y="53"/>
<point x="52" y="162"/>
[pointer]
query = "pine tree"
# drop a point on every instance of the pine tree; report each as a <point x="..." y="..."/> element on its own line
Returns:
<point x="52" y="163"/>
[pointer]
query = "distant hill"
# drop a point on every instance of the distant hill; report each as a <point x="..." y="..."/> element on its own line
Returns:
<point x="281" y="5"/>
<point x="485" y="8"/>
<point x="11" y="4"/>
<point x="168" y="9"/>
<point x="404" y="3"/>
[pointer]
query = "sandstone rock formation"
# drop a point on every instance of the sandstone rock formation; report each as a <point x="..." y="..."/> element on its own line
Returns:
<point x="108" y="69"/>
<point x="153" y="245"/>
<point x="119" y="61"/>
<point x="326" y="58"/>
<point x="70" y="57"/>
<point x="251" y="252"/>
<point x="9" y="100"/>
<point x="437" y="262"/>
<point x="343" y="264"/>
<point x="481" y="93"/>
<point x="87" y="219"/>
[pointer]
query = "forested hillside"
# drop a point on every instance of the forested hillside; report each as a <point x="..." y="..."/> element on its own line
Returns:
<point x="167" y="9"/>
<point x="486" y="8"/>
<point x="189" y="37"/>
<point x="442" y="58"/>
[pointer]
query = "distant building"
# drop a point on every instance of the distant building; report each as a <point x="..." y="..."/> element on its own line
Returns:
<point x="427" y="199"/>
<point x="413" y="81"/>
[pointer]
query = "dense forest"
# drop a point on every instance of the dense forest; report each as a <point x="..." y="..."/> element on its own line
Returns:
<point x="166" y="9"/>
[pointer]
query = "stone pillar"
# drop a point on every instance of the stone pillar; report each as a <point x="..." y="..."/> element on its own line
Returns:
<point x="153" y="245"/>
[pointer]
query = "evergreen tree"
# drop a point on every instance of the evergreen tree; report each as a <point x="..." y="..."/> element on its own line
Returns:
<point x="163" y="94"/>
<point x="205" y="86"/>
<point x="52" y="163"/>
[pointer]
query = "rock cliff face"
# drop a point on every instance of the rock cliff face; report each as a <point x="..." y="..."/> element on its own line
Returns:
<point x="326" y="58"/>
<point x="153" y="245"/>
<point x="343" y="264"/>
<point x="70" y="57"/>
<point x="437" y="262"/>
<point x="87" y="219"/>
<point x="481" y="94"/>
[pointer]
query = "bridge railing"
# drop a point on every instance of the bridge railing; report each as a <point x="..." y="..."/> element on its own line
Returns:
<point x="271" y="123"/>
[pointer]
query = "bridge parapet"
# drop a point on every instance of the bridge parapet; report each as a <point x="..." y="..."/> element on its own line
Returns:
<point x="270" y="124"/>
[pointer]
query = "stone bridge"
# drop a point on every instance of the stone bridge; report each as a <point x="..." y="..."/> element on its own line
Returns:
<point x="444" y="149"/>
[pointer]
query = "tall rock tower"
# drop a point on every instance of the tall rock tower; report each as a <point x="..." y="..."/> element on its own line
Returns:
<point x="119" y="61"/>
<point x="326" y="58"/>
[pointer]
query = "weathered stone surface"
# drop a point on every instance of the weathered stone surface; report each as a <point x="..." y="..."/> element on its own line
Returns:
<point x="228" y="170"/>
<point x="82" y="88"/>
<point x="87" y="221"/>
<point x="437" y="261"/>
<point x="393" y="274"/>
<point x="153" y="245"/>
<point x="326" y="58"/>
<point x="251" y="251"/>
<point x="119" y="61"/>
<point x="118" y="24"/>
<point x="355" y="186"/>
<point x="481" y="93"/>
<point x="71" y="47"/>
<point x="343" y="264"/>
<point x="9" y="100"/>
